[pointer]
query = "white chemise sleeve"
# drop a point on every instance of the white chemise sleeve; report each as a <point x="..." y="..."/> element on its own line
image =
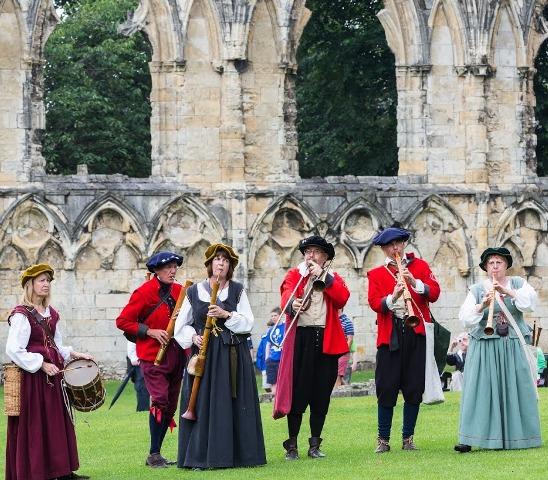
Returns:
<point x="468" y="314"/>
<point x="16" y="345"/>
<point x="131" y="352"/>
<point x="242" y="319"/>
<point x="184" y="331"/>
<point x="65" y="351"/>
<point x="526" y="298"/>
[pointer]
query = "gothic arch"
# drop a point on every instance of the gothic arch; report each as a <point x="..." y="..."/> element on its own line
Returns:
<point x="278" y="229"/>
<point x="536" y="28"/>
<point x="44" y="19"/>
<point x="30" y="224"/>
<point x="356" y="224"/>
<point x="451" y="13"/>
<point x="184" y="222"/>
<point x="394" y="38"/>
<point x="214" y="26"/>
<point x="438" y="231"/>
<point x="520" y="50"/>
<point x="12" y="258"/>
<point x="104" y="227"/>
<point x="410" y="44"/>
<point x="161" y="22"/>
<point x="523" y="225"/>
<point x="293" y="19"/>
<point x="278" y="36"/>
<point x="21" y="26"/>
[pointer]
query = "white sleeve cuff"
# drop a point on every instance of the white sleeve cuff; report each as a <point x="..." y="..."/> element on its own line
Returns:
<point x="419" y="286"/>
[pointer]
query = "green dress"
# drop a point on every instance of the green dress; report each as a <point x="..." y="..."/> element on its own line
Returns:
<point x="499" y="407"/>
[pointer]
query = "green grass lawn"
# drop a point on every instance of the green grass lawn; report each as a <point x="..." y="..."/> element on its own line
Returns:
<point x="113" y="445"/>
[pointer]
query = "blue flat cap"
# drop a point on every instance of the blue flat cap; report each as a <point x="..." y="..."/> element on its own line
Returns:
<point x="161" y="258"/>
<point x="384" y="237"/>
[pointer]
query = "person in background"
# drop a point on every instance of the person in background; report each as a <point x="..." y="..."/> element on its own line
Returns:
<point x="352" y="365"/>
<point x="143" y="398"/>
<point x="456" y="356"/>
<point x="541" y="366"/>
<point x="273" y="351"/>
<point x="260" y="360"/>
<point x="348" y="329"/>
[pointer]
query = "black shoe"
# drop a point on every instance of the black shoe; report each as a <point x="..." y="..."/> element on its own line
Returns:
<point x="462" y="448"/>
<point x="291" y="452"/>
<point x="314" y="450"/>
<point x="155" y="460"/>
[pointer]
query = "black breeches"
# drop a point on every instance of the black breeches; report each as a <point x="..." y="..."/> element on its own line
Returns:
<point x="314" y="373"/>
<point x="402" y="369"/>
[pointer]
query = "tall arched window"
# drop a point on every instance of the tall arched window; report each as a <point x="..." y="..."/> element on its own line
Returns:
<point x="541" y="109"/>
<point x="346" y="92"/>
<point x="97" y="92"/>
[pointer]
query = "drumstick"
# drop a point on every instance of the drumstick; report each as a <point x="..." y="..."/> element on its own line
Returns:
<point x="75" y="368"/>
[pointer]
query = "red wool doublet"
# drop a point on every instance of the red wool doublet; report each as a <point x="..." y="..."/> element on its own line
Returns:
<point x="141" y="303"/>
<point x="381" y="284"/>
<point x="334" y="342"/>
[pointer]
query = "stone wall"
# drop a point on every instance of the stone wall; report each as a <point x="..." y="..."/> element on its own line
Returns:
<point x="224" y="161"/>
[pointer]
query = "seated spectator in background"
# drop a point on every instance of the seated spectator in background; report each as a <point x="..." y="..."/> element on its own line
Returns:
<point x="456" y="356"/>
<point x="541" y="364"/>
<point x="260" y="360"/>
<point x="348" y="329"/>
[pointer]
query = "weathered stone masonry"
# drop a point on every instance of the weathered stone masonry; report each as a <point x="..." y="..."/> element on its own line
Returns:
<point x="224" y="159"/>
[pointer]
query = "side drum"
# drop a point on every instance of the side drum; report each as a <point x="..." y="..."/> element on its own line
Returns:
<point x="83" y="384"/>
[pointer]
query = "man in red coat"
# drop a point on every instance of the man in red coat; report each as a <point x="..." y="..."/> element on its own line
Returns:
<point x="309" y="362"/>
<point x="401" y="349"/>
<point x="144" y="319"/>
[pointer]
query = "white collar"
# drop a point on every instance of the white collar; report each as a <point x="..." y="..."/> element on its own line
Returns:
<point x="303" y="269"/>
<point x="389" y="261"/>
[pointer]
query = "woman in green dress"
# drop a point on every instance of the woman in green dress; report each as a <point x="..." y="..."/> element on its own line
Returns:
<point x="499" y="402"/>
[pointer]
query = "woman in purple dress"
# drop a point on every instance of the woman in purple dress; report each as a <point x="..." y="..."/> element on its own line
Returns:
<point x="41" y="442"/>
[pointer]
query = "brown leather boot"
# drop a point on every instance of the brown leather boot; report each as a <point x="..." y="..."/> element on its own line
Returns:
<point x="314" y="450"/>
<point x="382" y="445"/>
<point x="409" y="444"/>
<point x="291" y="452"/>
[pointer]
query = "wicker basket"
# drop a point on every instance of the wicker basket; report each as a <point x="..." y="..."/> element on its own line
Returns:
<point x="12" y="389"/>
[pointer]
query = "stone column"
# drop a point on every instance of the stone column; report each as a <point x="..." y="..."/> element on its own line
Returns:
<point x="473" y="117"/>
<point x="411" y="114"/>
<point x="167" y="143"/>
<point x="232" y="129"/>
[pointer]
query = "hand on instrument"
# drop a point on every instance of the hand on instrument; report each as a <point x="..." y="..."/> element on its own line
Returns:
<point x="409" y="277"/>
<point x="197" y="340"/>
<point x="398" y="290"/>
<point x="487" y="298"/>
<point x="501" y="289"/>
<point x="160" y="336"/>
<point x="49" y="369"/>
<point x="85" y="356"/>
<point x="314" y="268"/>
<point x="297" y="303"/>
<point x="217" y="312"/>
